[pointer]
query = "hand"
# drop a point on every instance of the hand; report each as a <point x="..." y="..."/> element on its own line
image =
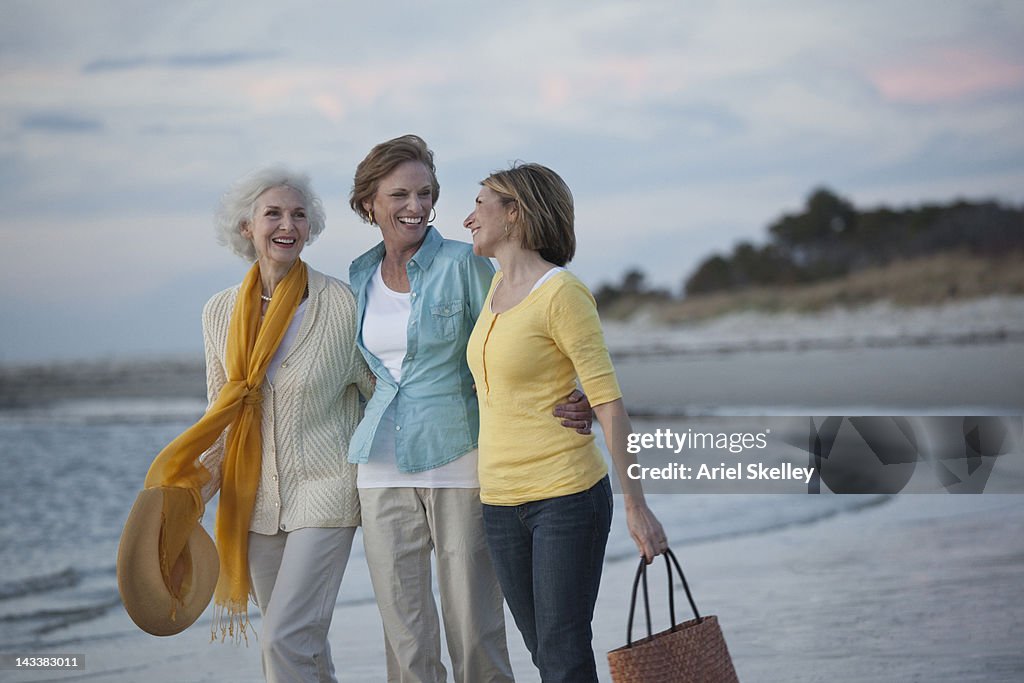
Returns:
<point x="576" y="412"/>
<point x="646" y="531"/>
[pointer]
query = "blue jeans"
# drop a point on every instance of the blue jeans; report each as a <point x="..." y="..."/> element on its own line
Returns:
<point x="548" y="556"/>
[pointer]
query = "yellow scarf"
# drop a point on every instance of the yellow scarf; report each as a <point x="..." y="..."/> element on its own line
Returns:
<point x="250" y="348"/>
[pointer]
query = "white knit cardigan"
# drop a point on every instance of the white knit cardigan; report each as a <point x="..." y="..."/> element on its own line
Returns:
<point x="308" y="414"/>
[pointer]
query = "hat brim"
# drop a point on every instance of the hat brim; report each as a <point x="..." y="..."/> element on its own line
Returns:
<point x="146" y="597"/>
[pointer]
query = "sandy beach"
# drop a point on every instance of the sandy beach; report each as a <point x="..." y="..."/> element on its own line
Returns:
<point x="879" y="359"/>
<point x="918" y="588"/>
<point x="903" y="591"/>
<point x="911" y="587"/>
<point x="980" y="379"/>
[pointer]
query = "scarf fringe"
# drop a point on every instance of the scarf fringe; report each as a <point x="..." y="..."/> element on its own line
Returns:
<point x="231" y="621"/>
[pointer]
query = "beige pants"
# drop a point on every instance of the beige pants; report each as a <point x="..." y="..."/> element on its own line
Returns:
<point x="401" y="526"/>
<point x="296" y="576"/>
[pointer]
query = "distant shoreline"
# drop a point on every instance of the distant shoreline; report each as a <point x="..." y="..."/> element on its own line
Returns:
<point x="31" y="385"/>
<point x="991" y="321"/>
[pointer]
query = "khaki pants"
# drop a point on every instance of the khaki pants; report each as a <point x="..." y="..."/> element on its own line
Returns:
<point x="296" y="576"/>
<point x="401" y="526"/>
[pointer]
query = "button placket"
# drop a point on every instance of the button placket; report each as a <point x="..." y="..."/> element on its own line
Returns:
<point x="269" y="401"/>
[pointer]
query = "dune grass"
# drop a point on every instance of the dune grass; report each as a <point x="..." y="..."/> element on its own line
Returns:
<point x="928" y="281"/>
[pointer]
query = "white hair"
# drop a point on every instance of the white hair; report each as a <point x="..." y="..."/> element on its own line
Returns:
<point x="238" y="206"/>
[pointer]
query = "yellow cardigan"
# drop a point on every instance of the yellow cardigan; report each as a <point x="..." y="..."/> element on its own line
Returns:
<point x="525" y="361"/>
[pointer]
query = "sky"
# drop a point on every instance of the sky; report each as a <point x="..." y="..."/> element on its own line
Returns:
<point x="681" y="127"/>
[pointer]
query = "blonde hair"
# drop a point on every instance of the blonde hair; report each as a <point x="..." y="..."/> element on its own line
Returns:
<point x="545" y="214"/>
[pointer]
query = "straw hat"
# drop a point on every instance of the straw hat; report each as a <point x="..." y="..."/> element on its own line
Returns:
<point x="145" y="595"/>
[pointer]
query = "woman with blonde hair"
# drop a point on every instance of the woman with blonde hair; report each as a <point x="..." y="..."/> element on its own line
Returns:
<point x="546" y="492"/>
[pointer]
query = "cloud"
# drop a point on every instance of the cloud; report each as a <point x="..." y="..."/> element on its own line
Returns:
<point x="948" y="75"/>
<point x="947" y="155"/>
<point x="207" y="60"/>
<point x="58" y="122"/>
<point x="680" y="128"/>
<point x="117" y="64"/>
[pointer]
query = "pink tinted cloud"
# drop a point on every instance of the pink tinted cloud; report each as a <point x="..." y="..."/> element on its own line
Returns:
<point x="946" y="76"/>
<point x="333" y="92"/>
<point x="555" y="91"/>
<point x="626" y="79"/>
<point x="331" y="106"/>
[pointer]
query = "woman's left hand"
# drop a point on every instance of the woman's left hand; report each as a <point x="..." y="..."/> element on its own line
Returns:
<point x="646" y="530"/>
<point x="576" y="412"/>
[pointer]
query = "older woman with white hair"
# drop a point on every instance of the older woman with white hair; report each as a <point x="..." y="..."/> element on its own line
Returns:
<point x="283" y="377"/>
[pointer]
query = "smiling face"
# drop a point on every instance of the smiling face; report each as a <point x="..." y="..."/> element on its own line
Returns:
<point x="279" y="227"/>
<point x="402" y="204"/>
<point x="488" y="221"/>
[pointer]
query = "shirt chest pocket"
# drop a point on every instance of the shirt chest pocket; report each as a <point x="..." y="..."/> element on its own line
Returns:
<point x="447" y="318"/>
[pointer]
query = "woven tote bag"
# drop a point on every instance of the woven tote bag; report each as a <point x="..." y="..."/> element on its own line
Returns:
<point x="691" y="652"/>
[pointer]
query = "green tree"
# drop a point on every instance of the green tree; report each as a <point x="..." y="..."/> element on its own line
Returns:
<point x="713" y="274"/>
<point x="825" y="216"/>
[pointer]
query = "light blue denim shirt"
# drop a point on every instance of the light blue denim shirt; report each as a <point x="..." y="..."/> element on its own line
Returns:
<point x="437" y="417"/>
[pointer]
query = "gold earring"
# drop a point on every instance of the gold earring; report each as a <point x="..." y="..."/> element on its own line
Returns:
<point x="370" y="216"/>
<point x="508" y="231"/>
<point x="433" y="215"/>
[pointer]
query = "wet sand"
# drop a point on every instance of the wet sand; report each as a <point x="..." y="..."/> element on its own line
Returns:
<point x="959" y="380"/>
<point x="919" y="588"/>
<point x="922" y="588"/>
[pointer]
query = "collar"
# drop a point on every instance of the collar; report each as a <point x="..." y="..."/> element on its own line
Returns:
<point x="315" y="281"/>
<point x="432" y="241"/>
<point x="423" y="257"/>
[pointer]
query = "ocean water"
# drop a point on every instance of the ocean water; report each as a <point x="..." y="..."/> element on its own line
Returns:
<point x="72" y="470"/>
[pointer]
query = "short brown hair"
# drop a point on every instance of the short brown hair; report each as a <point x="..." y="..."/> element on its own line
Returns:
<point x="545" y="209"/>
<point x="382" y="160"/>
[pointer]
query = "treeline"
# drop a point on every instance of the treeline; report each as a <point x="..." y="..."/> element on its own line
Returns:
<point x="632" y="292"/>
<point x="830" y="238"/>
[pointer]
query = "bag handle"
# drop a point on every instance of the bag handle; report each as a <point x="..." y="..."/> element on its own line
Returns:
<point x="641" y="573"/>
